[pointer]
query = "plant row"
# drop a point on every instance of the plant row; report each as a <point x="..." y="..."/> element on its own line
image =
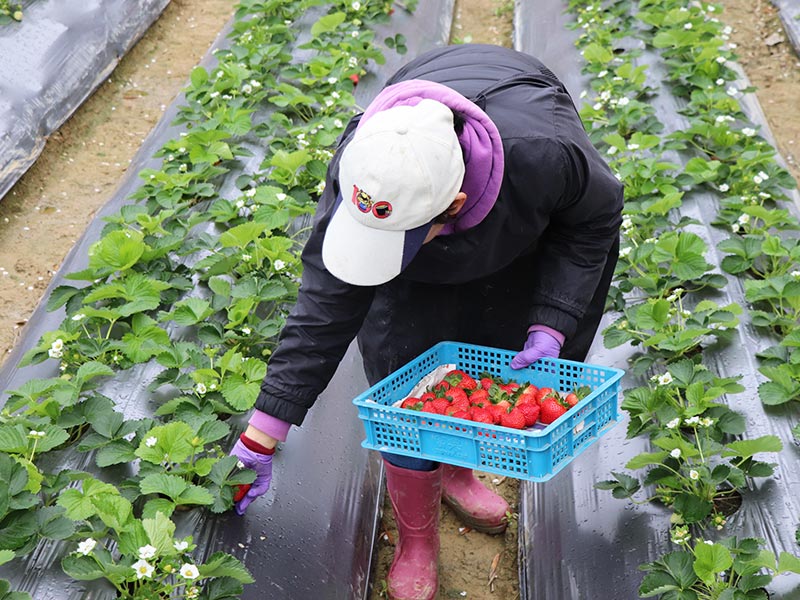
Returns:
<point x="193" y="280"/>
<point x="668" y="295"/>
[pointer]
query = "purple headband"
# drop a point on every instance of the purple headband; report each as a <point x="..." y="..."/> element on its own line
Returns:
<point x="480" y="142"/>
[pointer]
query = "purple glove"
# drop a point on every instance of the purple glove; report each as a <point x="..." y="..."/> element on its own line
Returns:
<point x="261" y="464"/>
<point x="542" y="342"/>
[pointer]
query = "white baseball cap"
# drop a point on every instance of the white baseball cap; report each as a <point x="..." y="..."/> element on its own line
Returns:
<point x="403" y="168"/>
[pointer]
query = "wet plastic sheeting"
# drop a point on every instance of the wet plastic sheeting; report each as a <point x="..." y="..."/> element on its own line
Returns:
<point x="52" y="61"/>
<point x="577" y="542"/>
<point x="789" y="11"/>
<point x="312" y="535"/>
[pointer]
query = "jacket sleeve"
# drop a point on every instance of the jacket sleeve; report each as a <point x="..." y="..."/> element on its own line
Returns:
<point x="319" y="329"/>
<point x="577" y="196"/>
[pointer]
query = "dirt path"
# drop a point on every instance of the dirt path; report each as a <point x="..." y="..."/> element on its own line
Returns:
<point x="82" y="164"/>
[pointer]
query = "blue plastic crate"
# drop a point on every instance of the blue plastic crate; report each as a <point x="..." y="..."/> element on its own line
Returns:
<point x="530" y="454"/>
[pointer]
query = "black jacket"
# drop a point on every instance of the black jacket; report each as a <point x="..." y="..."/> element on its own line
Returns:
<point x="554" y="230"/>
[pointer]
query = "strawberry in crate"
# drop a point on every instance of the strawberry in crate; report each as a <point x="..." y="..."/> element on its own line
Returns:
<point x="491" y="400"/>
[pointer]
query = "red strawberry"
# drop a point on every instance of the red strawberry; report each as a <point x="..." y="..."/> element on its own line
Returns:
<point x="461" y="414"/>
<point x="525" y="394"/>
<point x="460" y="405"/>
<point x="456" y="393"/>
<point x="487" y="382"/>
<point x="479" y="397"/>
<point x="440" y="388"/>
<point x="513" y="419"/>
<point x="551" y="410"/>
<point x="440" y="404"/>
<point x="504" y="404"/>
<point x="510" y="387"/>
<point x="543" y="393"/>
<point x="482" y="415"/>
<point x="571" y="399"/>
<point x="428" y="407"/>
<point x="458" y="378"/>
<point x="495" y="411"/>
<point x="354" y="79"/>
<point x="241" y="491"/>
<point x="412" y="402"/>
<point x="530" y="410"/>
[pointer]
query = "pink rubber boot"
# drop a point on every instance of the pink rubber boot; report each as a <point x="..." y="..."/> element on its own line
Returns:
<point x="476" y="505"/>
<point x="415" y="496"/>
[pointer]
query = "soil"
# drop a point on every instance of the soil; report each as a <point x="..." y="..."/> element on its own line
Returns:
<point x="46" y="212"/>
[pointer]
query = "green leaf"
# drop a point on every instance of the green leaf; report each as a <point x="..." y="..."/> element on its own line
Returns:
<point x="91" y="369"/>
<point x="213" y="430"/>
<point x="692" y="508"/>
<point x="172" y="443"/>
<point x="189" y="312"/>
<point x="747" y="448"/>
<point x="241" y="235"/>
<point x="160" y="530"/>
<point x="53" y="525"/>
<point x="79" y="504"/>
<point x="595" y="53"/>
<point x="773" y="394"/>
<point x="115" y="512"/>
<point x="221" y="564"/>
<point x="158" y="505"/>
<point x="788" y="562"/>
<point x="82" y="568"/>
<point x="6" y="555"/>
<point x="645" y="459"/>
<point x="194" y="494"/>
<point x="710" y="560"/>
<point x="222" y="588"/>
<point x="117" y="250"/>
<point x="60" y="296"/>
<point x="327" y="23"/>
<point x="17" y="530"/>
<point x="240" y="394"/>
<point x="163" y="483"/>
<point x="116" y="452"/>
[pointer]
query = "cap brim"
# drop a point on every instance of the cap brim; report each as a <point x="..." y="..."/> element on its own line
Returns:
<point x="367" y="256"/>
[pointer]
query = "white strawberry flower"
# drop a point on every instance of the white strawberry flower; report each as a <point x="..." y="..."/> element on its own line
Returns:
<point x="676" y="453"/>
<point x="665" y="379"/>
<point x="143" y="569"/>
<point x="181" y="545"/>
<point x="189" y="571"/>
<point x="86" y="546"/>
<point x="694" y="475"/>
<point x="200" y="388"/>
<point x="724" y="187"/>
<point x="674" y="423"/>
<point x="147" y="551"/>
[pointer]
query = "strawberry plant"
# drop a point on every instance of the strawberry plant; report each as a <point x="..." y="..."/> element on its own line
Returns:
<point x="730" y="568"/>
<point x="688" y="471"/>
<point x="148" y="561"/>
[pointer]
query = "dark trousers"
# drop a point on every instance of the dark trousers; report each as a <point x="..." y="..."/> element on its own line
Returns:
<point x="407" y="318"/>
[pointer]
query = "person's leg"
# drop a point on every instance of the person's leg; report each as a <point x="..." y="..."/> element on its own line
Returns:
<point x="415" y="498"/>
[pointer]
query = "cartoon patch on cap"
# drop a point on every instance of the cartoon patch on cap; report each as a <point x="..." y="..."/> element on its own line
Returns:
<point x="364" y="203"/>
